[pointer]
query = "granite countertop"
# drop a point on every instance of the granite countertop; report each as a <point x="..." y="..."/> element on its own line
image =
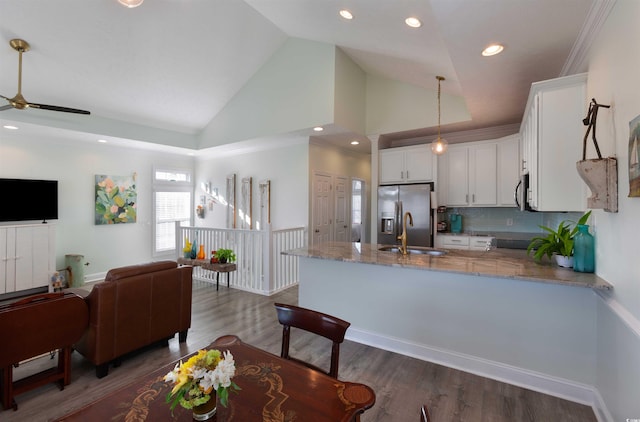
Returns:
<point x="503" y="263"/>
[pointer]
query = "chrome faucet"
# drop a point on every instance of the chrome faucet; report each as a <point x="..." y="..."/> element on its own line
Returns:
<point x="403" y="236"/>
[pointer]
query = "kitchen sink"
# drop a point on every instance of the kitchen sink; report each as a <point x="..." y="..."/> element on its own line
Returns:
<point x="416" y="250"/>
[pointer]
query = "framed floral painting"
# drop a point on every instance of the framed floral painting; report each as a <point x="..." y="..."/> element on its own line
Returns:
<point x="116" y="199"/>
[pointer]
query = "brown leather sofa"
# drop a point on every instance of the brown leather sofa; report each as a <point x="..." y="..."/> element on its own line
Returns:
<point x="134" y="307"/>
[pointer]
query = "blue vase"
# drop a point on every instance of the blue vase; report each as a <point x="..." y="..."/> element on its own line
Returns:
<point x="194" y="248"/>
<point x="584" y="256"/>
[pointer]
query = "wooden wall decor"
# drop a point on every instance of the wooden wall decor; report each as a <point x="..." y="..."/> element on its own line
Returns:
<point x="231" y="201"/>
<point x="246" y="203"/>
<point x="264" y="202"/>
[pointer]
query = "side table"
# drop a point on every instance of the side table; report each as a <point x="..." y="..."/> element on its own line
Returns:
<point x="207" y="265"/>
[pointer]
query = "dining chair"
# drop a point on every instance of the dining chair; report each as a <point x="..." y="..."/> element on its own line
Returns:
<point x="424" y="414"/>
<point x="318" y="323"/>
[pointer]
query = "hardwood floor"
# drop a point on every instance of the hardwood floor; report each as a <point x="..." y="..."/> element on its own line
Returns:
<point x="402" y="384"/>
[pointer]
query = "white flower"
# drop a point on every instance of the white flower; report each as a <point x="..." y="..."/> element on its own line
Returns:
<point x="173" y="375"/>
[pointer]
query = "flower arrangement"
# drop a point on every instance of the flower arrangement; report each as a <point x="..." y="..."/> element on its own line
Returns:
<point x="204" y="374"/>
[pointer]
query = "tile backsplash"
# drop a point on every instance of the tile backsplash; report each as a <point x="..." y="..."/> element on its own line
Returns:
<point x="509" y="219"/>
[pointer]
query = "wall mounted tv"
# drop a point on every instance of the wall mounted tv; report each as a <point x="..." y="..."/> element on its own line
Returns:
<point x="28" y="199"/>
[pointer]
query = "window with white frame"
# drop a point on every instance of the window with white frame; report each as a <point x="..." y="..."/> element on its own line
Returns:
<point x="172" y="190"/>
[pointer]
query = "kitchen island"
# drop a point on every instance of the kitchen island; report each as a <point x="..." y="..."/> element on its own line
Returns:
<point x="505" y="263"/>
<point x="497" y="313"/>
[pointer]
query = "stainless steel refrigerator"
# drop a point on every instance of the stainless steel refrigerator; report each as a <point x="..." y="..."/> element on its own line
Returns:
<point x="393" y="202"/>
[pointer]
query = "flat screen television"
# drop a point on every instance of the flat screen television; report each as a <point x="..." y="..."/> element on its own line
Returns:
<point x="28" y="199"/>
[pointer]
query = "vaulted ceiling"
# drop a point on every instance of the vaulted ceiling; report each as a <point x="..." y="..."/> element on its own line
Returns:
<point x="173" y="65"/>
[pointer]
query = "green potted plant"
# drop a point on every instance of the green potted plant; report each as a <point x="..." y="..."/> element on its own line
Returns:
<point x="558" y="243"/>
<point x="225" y="255"/>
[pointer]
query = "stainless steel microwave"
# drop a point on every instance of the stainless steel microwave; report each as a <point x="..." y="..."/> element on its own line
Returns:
<point x="521" y="194"/>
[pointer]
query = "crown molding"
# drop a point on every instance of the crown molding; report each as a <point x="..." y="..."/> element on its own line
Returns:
<point x="598" y="13"/>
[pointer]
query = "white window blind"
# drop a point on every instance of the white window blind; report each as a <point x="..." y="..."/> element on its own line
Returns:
<point x="170" y="207"/>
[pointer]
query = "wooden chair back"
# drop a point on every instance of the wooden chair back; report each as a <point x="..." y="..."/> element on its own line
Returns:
<point x="424" y="414"/>
<point x="315" y="322"/>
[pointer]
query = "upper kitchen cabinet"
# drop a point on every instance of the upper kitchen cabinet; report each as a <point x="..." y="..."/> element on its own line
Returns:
<point x="508" y="169"/>
<point x="406" y="165"/>
<point x="551" y="143"/>
<point x="479" y="174"/>
<point x="471" y="175"/>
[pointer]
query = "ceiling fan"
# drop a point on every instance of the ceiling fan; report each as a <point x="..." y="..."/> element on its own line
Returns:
<point x="19" y="101"/>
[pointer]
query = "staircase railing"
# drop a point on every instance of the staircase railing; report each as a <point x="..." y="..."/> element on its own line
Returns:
<point x="261" y="267"/>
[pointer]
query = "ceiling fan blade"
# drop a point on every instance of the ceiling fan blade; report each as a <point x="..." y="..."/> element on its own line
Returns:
<point x="58" y="108"/>
<point x="6" y="107"/>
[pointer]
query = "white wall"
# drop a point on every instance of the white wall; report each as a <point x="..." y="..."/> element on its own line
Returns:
<point x="285" y="167"/>
<point x="74" y="164"/>
<point x="613" y="79"/>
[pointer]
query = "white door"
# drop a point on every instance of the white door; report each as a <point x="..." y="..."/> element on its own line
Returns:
<point x="341" y="199"/>
<point x="322" y="209"/>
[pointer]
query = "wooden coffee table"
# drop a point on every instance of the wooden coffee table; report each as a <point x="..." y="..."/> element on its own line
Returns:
<point x="273" y="390"/>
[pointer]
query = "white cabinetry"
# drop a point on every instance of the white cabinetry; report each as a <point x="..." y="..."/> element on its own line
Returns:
<point x="471" y="175"/>
<point x="27" y="257"/>
<point x="406" y="165"/>
<point x="508" y="170"/>
<point x="551" y="143"/>
<point x="464" y="242"/>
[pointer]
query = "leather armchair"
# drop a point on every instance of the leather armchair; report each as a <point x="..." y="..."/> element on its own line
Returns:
<point x="134" y="307"/>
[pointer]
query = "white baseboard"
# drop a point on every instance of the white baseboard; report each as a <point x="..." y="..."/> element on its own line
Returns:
<point x="558" y="387"/>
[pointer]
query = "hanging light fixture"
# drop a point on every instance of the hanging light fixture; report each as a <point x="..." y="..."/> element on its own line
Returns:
<point x="439" y="146"/>
<point x="130" y="3"/>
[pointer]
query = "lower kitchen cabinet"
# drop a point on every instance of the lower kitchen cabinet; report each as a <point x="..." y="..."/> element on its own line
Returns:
<point x="464" y="242"/>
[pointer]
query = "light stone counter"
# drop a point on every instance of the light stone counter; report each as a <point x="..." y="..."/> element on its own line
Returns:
<point x="502" y="263"/>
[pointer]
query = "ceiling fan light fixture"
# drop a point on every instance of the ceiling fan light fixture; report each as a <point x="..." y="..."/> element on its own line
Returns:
<point x="439" y="146"/>
<point x="413" y="22"/>
<point x="492" y="50"/>
<point x="130" y="3"/>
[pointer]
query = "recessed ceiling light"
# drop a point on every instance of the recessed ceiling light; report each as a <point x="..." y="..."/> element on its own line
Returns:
<point x="102" y="141"/>
<point x="413" y="22"/>
<point x="492" y="50"/>
<point x="318" y="128"/>
<point x="346" y="14"/>
<point x="355" y="142"/>
<point x="10" y="127"/>
<point x="130" y="3"/>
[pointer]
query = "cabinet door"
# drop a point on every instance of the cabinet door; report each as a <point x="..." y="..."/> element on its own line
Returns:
<point x="484" y="175"/>
<point x="507" y="171"/>
<point x="4" y="258"/>
<point x="391" y="166"/>
<point x="457" y="177"/>
<point x="24" y="258"/>
<point x="419" y="164"/>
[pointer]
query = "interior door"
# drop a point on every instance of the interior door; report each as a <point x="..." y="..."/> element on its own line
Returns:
<point x="322" y="209"/>
<point x="341" y="200"/>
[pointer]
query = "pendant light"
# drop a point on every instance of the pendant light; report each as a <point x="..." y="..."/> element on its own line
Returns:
<point x="439" y="146"/>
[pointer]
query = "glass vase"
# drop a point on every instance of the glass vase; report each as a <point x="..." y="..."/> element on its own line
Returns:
<point x="584" y="250"/>
<point x="205" y="411"/>
<point x="201" y="254"/>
